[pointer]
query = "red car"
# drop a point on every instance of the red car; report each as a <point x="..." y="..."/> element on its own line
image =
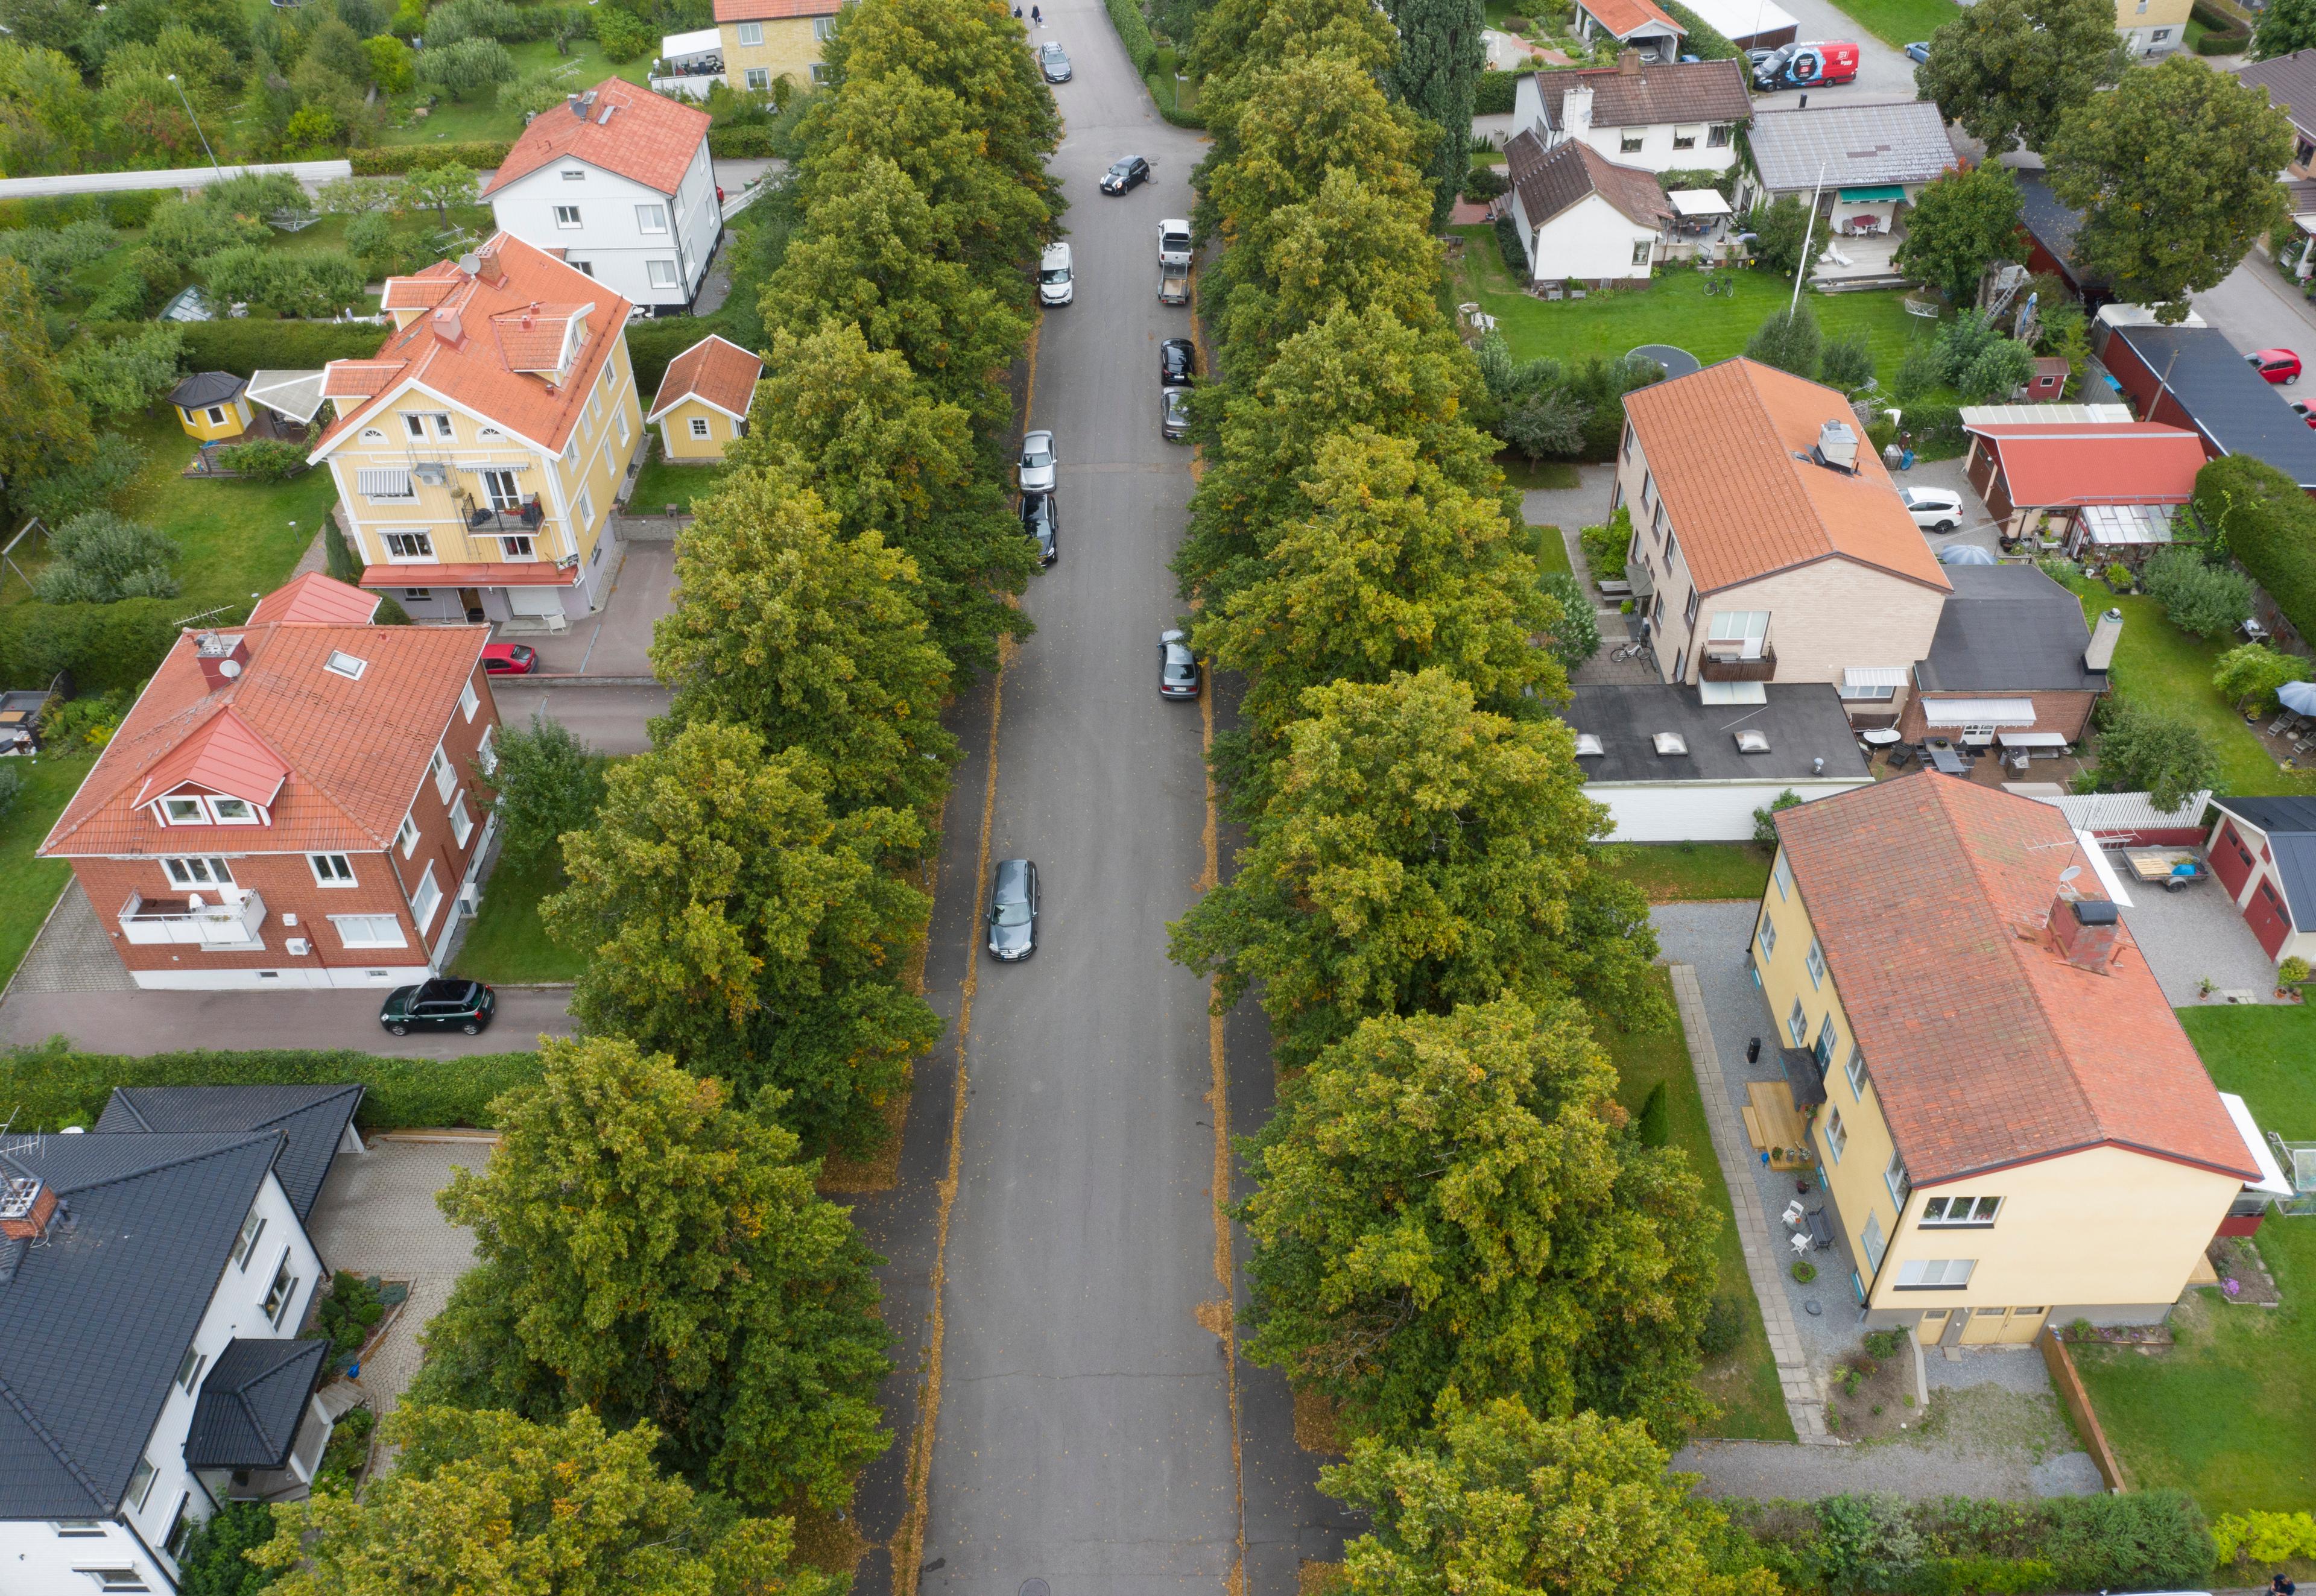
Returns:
<point x="2276" y="364"/>
<point x="2300" y="408"/>
<point x="509" y="658"/>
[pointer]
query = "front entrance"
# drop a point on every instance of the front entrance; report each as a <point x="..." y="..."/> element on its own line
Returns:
<point x="1931" y="1329"/>
<point x="2266" y="917"/>
<point x="471" y="600"/>
<point x="2002" y="1327"/>
<point x="2231" y="860"/>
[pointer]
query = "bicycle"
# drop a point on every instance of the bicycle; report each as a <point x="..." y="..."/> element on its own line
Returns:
<point x="1630" y="651"/>
<point x="1716" y="288"/>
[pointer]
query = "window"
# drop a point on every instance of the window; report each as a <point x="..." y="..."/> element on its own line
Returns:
<point x="407" y="836"/>
<point x="596" y="402"/>
<point x="181" y="1528"/>
<point x="189" y="1371"/>
<point x="1836" y="1138"/>
<point x="198" y="872"/>
<point x="574" y="175"/>
<point x="662" y="273"/>
<point x="1643" y="248"/>
<point x="216" y="416"/>
<point x="751" y="33"/>
<point x="446" y="779"/>
<point x="620" y="419"/>
<point x="426" y="899"/>
<point x="1688" y="610"/>
<point x="233" y="811"/>
<point x="651" y="219"/>
<point x="1629" y="143"/>
<point x="699" y="426"/>
<point x="369" y="931"/>
<point x="184" y="812"/>
<point x="584" y="509"/>
<point x="819" y="73"/>
<point x="1769" y="937"/>
<point x="278" y="1294"/>
<point x="760" y="78"/>
<point x="1896" y="1179"/>
<point x="408" y="545"/>
<point x="585" y="268"/>
<point x="1797" y="1023"/>
<point x="1850" y="689"/>
<point x="1935" y="1274"/>
<point x="468" y="700"/>
<point x="505" y="490"/>
<point x="1782" y="875"/>
<point x="1648" y="485"/>
<point x="518" y="546"/>
<point x="1625" y="453"/>
<point x="1717" y="136"/>
<point x="1681" y="666"/>
<point x="486" y="758"/>
<point x="1876" y="1243"/>
<point x="415" y="423"/>
<point x="1977" y="1211"/>
<point x="140" y="1484"/>
<point x="1816" y="963"/>
<point x="566" y="216"/>
<point x="252" y="1227"/>
<point x="1684" y="138"/>
<point x="571" y="448"/>
<point x="1856" y="1069"/>
<point x="462" y="824"/>
<point x="824" y="29"/>
<point x="2159" y="35"/>
<point x="115" y="1578"/>
<point x="1749" y="629"/>
<point x="331" y="870"/>
<point x="341" y="663"/>
<point x="420" y="595"/>
<point x="1824" y="1049"/>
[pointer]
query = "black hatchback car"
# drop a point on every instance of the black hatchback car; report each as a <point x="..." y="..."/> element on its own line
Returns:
<point x="1177" y="363"/>
<point x="1041" y="524"/>
<point x="439" y="1006"/>
<point x="1178" y="667"/>
<point x="1013" y="909"/>
<point x="1124" y="173"/>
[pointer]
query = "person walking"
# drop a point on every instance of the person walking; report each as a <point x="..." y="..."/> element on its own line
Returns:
<point x="1035" y="19"/>
<point x="2280" y="1585"/>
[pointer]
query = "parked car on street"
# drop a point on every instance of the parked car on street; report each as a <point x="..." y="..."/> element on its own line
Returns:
<point x="2304" y="410"/>
<point x="1054" y="62"/>
<point x="1934" y="510"/>
<point x="1038" y="462"/>
<point x="1919" y="52"/>
<point x="1178" y="667"/>
<point x="1177" y="362"/>
<point x="2276" y="364"/>
<point x="1805" y="65"/>
<point x="1041" y="524"/>
<point x="509" y="658"/>
<point x="1125" y="172"/>
<point x="1057" y="283"/>
<point x="1174" y="413"/>
<point x="440" y="1005"/>
<point x="1013" y="909"/>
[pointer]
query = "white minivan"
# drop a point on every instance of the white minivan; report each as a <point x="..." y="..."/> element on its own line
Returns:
<point x="1055" y="285"/>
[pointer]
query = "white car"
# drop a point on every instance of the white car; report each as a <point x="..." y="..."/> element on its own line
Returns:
<point x="1055" y="284"/>
<point x="1934" y="510"/>
<point x="1038" y="463"/>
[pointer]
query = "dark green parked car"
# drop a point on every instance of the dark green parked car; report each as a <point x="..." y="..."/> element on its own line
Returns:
<point x="439" y="1006"/>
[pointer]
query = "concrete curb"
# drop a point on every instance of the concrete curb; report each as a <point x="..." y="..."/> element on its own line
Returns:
<point x="542" y="679"/>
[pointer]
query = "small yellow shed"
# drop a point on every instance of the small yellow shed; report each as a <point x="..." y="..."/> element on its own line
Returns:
<point x="212" y="405"/>
<point x="702" y="403"/>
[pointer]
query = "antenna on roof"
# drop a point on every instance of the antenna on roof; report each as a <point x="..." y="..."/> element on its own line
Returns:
<point x="2070" y="873"/>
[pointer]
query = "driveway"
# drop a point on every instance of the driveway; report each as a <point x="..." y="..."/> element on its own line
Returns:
<point x="1884" y="73"/>
<point x="610" y="720"/>
<point x="615" y="640"/>
<point x="2255" y="308"/>
<point x="2194" y="936"/>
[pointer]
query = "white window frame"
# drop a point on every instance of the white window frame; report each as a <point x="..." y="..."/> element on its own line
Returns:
<point x="1748" y="628"/>
<point x="341" y="663"/>
<point x="446" y="777"/>
<point x="1936" y="1274"/>
<point x="189" y="1369"/>
<point x="574" y="175"/>
<point x="183" y="809"/>
<point x="749" y="35"/>
<point x="196" y="871"/>
<point x="758" y="79"/>
<point x="663" y="274"/>
<point x="406" y="834"/>
<point x="1768" y="937"/>
<point x="462" y="824"/>
<point x="566" y="218"/>
<point x="1720" y="136"/>
<point x="620" y="419"/>
<point x="1685" y="137"/>
<point x="651" y="219"/>
<point x="252" y="1227"/>
<point x="517" y="548"/>
<point x="1877" y="1244"/>
<point x="1797" y="1024"/>
<point x="583" y="508"/>
<point x="140" y="1482"/>
<point x="331" y="870"/>
<point x="819" y="73"/>
<point x="469" y="701"/>
<point x="117" y="1580"/>
<point x="824" y="29"/>
<point x="1855" y="1069"/>
<point x="1643" y="250"/>
<point x="1782" y="875"/>
<point x="1894" y="1177"/>
<point x="221" y="811"/>
<point x="1816" y="964"/>
<point x="1836" y="1137"/>
<point x="486" y="755"/>
<point x="426" y="899"/>
<point x="1629" y="143"/>
<point x="284" y="1282"/>
<point x="407" y="548"/>
<point x="369" y="931"/>
<point x="1960" y="1213"/>
<point x="700" y="427"/>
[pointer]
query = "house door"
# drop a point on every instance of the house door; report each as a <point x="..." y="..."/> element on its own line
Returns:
<point x="2022" y="1324"/>
<point x="2266" y="917"/>
<point x="1931" y="1328"/>
<point x="471" y="600"/>
<point x="2231" y="860"/>
<point x="1982" y="1326"/>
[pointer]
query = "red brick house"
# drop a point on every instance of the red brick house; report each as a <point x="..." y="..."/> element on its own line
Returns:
<point x="291" y="802"/>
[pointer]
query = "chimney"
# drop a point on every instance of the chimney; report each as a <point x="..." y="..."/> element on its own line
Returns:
<point x="2086" y="929"/>
<point x="1836" y="446"/>
<point x="586" y="105"/>
<point x="27" y="1203"/>
<point x="576" y="108"/>
<point x="222" y="656"/>
<point x="1628" y="63"/>
<point x="2104" y="635"/>
<point x="1576" y="112"/>
<point x="448" y="327"/>
<point x="489" y="267"/>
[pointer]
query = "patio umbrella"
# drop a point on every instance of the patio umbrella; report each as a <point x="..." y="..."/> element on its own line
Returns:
<point x="1969" y="553"/>
<point x="2299" y="697"/>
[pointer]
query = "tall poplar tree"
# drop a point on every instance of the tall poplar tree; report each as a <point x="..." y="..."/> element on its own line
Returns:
<point x="1440" y="55"/>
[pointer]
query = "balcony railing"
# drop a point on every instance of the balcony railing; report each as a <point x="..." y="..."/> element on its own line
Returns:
<point x="1729" y="663"/>
<point x="193" y="920"/>
<point x="489" y="520"/>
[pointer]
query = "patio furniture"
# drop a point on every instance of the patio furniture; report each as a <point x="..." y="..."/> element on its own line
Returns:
<point x="1614" y="587"/>
<point x="1794" y="1212"/>
<point x="1943" y="758"/>
<point x="1801" y="1240"/>
<point x="1821" y="1229"/>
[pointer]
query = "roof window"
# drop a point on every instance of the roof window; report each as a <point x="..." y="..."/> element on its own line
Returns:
<point x="1668" y="743"/>
<point x="1750" y="741"/>
<point x="1588" y="744"/>
<point x="343" y="664"/>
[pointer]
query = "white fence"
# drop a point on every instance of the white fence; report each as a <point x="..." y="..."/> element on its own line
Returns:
<point x="2121" y="814"/>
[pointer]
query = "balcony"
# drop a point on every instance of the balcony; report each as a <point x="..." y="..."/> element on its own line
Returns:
<point x="227" y="926"/>
<point x="1729" y="662"/>
<point x="493" y="520"/>
<point x="688" y="63"/>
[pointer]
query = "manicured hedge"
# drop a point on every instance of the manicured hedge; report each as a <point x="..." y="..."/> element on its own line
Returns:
<point x="2270" y="527"/>
<point x="243" y="345"/>
<point x="741" y="143"/>
<point x="389" y="160"/>
<point x="653" y="344"/>
<point x="1134" y="33"/>
<point x="52" y="1086"/>
<point x="1493" y="92"/>
<point x="132" y="208"/>
<point x="105" y="646"/>
<point x="1703" y="42"/>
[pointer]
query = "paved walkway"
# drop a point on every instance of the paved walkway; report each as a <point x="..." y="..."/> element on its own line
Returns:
<point x="72" y="952"/>
<point x="1803" y="1401"/>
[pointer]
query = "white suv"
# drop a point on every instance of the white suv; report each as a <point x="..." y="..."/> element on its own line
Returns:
<point x="1056" y="283"/>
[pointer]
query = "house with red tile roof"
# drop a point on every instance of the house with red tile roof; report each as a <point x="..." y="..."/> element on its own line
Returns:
<point x="2107" y="489"/>
<point x="2012" y="1127"/>
<point x="1639" y="24"/>
<point x="617" y="181"/>
<point x="1768" y="542"/>
<point x="478" y="453"/>
<point x="702" y="403"/>
<point x="301" y="801"/>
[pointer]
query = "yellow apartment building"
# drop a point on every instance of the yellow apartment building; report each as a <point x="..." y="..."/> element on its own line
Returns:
<point x="478" y="454"/>
<point x="2016" y="1131"/>
<point x="765" y="41"/>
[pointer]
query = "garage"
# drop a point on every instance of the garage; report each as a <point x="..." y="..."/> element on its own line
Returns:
<point x="2263" y="853"/>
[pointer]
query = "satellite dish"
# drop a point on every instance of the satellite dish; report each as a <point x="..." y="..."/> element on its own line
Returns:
<point x="229" y="669"/>
<point x="2070" y="873"/>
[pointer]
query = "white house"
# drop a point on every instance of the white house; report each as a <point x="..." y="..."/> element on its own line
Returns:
<point x="1581" y="216"/>
<point x="618" y="183"/>
<point x="1676" y="763"/>
<point x="1672" y="115"/>
<point x="154" y="1275"/>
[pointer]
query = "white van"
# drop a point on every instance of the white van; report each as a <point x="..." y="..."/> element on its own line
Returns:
<point x="1055" y="284"/>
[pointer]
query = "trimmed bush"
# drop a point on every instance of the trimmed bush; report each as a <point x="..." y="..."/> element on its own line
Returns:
<point x="1134" y="33"/>
<point x="1654" y="1123"/>
<point x="2269" y="525"/>
<point x="59" y="1087"/>
<point x="742" y="144"/>
<point x="1705" y="42"/>
<point x="2206" y="600"/>
<point x="391" y="160"/>
<point x="2264" y="1537"/>
<point x="1509" y="245"/>
<point x="653" y="344"/>
<point x="264" y="459"/>
<point x="1607" y="546"/>
<point x="1494" y="92"/>
<point x="105" y="646"/>
<point x="246" y="345"/>
<point x="1485" y="183"/>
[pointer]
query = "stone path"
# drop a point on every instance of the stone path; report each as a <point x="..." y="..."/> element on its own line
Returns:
<point x="73" y="953"/>
<point x="1803" y="1401"/>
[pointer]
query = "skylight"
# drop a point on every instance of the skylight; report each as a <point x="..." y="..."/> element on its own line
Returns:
<point x="345" y="665"/>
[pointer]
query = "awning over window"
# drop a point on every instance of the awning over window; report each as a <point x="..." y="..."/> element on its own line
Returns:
<point x="1979" y="712"/>
<point x="1874" y="676"/>
<point x="1874" y="195"/>
<point x="2031" y="740"/>
<point x="385" y="482"/>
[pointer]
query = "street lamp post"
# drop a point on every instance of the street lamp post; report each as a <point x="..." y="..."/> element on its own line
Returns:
<point x="197" y="126"/>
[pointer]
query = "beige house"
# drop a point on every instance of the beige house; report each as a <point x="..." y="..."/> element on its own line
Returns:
<point x="1768" y="544"/>
<point x="478" y="452"/>
<point x="702" y="402"/>
<point x="2152" y="27"/>
<point x="2014" y="1128"/>
<point x="765" y="41"/>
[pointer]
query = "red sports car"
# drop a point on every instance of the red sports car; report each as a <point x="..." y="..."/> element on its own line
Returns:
<point x="509" y="658"/>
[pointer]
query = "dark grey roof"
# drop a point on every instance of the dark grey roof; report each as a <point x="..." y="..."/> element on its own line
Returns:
<point x="2009" y="628"/>
<point x="2239" y="410"/>
<point x="1805" y="721"/>
<point x="1655" y="94"/>
<point x="95" y="1319"/>
<point x="1855" y="146"/>
<point x="1548" y="181"/>
<point x="252" y="1400"/>
<point x="207" y="388"/>
<point x="2290" y="83"/>
<point x="313" y="1119"/>
<point x="2291" y="827"/>
<point x="2054" y="224"/>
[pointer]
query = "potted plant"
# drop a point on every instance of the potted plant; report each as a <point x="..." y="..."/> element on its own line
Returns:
<point x="2288" y="976"/>
<point x="1804" y="1271"/>
<point x="2118" y="576"/>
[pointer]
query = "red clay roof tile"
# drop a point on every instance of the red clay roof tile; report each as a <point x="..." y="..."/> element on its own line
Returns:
<point x="715" y="369"/>
<point x="647" y="137"/>
<point x="314" y="598"/>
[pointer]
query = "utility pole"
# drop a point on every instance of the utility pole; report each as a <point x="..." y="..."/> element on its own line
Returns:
<point x="197" y="127"/>
<point x="1807" y="228"/>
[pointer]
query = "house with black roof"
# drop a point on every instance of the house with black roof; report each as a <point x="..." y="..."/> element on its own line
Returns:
<point x="2051" y="223"/>
<point x="2194" y="378"/>
<point x="2263" y="851"/>
<point x="2012" y="664"/>
<point x="154" y="1275"/>
<point x="1679" y="763"/>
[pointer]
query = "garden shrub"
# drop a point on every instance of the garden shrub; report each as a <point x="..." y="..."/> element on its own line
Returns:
<point x="2144" y="750"/>
<point x="243" y="345"/>
<point x="212" y="1563"/>
<point x="84" y="723"/>
<point x="1701" y="41"/>
<point x="1485" y="183"/>
<point x="741" y="143"/>
<point x="1576" y="635"/>
<point x="1607" y="546"/>
<point x="1509" y="245"/>
<point x="1765" y="819"/>
<point x="390" y="160"/>
<point x="98" y="557"/>
<point x="2268" y="526"/>
<point x="2264" y="1537"/>
<point x="1493" y="93"/>
<point x="348" y="1313"/>
<point x="64" y="493"/>
<point x="1134" y="33"/>
<point x="1654" y="1123"/>
<point x="1724" y="1323"/>
<point x="264" y="459"/>
<point x="2206" y="600"/>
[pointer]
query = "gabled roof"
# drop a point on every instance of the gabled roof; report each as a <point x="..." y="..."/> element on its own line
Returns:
<point x="1722" y="445"/>
<point x="2291" y="827"/>
<point x="2063" y="464"/>
<point x="454" y="348"/>
<point x="1929" y="896"/>
<point x="351" y="751"/>
<point x="1548" y="181"/>
<point x="625" y="129"/>
<point x="314" y="598"/>
<point x="93" y="1322"/>
<point x="207" y="388"/>
<point x="1901" y="142"/>
<point x="2291" y="85"/>
<point x="2054" y="224"/>
<point x="532" y="337"/>
<point x="253" y="1398"/>
<point x="1656" y="93"/>
<point x="1625" y="18"/>
<point x="715" y="371"/>
<point x="767" y="11"/>
<point x="313" y="1120"/>
<point x="2009" y="629"/>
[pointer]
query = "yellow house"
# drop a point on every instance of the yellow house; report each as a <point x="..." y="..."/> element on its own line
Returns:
<point x="479" y="454"/>
<point x="702" y="403"/>
<point x="2152" y="27"/>
<point x="765" y="41"/>
<point x="212" y="405"/>
<point x="2014" y="1129"/>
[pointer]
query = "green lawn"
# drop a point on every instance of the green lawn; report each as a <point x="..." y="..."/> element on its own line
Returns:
<point x="506" y="944"/>
<point x="1689" y="871"/>
<point x="29" y="886"/>
<point x="1901" y="23"/>
<point x="2230" y="1415"/>
<point x="660" y="485"/>
<point x="1556" y="476"/>
<point x="1745" y="1384"/>
<point x="1551" y="551"/>
<point x="2159" y="665"/>
<point x="479" y="116"/>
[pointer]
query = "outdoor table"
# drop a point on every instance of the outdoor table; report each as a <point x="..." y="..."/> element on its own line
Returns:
<point x="1821" y="1229"/>
<point x="1946" y="761"/>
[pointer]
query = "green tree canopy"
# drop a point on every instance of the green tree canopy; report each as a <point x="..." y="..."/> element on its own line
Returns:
<point x="1441" y="53"/>
<point x="2147" y="750"/>
<point x="2009" y="70"/>
<point x="547" y="782"/>
<point x="1789" y="341"/>
<point x="491" y="1501"/>
<point x="1350" y="247"/>
<point x="1440" y="1203"/>
<point x="654" y="1254"/>
<point x="2175" y="174"/>
<point x="2283" y="26"/>
<point x="125" y="374"/>
<point x="1303" y="119"/>
<point x="2252" y="672"/>
<point x="1964" y="221"/>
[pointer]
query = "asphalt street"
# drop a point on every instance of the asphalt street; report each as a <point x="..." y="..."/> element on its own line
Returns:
<point x="610" y="720"/>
